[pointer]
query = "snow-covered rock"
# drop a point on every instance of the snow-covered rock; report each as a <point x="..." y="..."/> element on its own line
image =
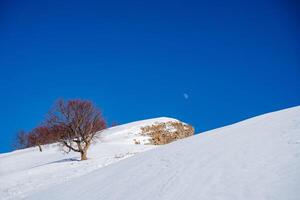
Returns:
<point x="131" y="132"/>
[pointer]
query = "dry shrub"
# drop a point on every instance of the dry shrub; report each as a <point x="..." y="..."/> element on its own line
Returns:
<point x="166" y="132"/>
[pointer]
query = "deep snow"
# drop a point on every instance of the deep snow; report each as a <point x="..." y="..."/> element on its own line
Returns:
<point x="27" y="171"/>
<point x="255" y="159"/>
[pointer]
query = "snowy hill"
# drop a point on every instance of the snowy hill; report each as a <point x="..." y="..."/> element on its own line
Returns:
<point x="255" y="159"/>
<point x="24" y="172"/>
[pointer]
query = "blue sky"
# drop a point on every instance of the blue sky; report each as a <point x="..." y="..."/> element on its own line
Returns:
<point x="137" y="60"/>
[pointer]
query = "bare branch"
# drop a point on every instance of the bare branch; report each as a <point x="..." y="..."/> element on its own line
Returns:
<point x="77" y="122"/>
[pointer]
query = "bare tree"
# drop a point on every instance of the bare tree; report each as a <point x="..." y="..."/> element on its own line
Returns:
<point x="21" y="140"/>
<point x="35" y="140"/>
<point x="42" y="135"/>
<point x="77" y="122"/>
<point x="39" y="136"/>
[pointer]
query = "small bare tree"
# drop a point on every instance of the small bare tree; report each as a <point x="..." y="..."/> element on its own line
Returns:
<point x="21" y="140"/>
<point x="30" y="139"/>
<point x="42" y="135"/>
<point x="77" y="122"/>
<point x="34" y="140"/>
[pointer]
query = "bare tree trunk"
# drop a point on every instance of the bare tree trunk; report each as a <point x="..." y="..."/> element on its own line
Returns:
<point x="40" y="147"/>
<point x="83" y="155"/>
<point x="84" y="151"/>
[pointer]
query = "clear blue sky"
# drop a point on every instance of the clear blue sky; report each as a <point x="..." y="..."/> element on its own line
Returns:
<point x="135" y="60"/>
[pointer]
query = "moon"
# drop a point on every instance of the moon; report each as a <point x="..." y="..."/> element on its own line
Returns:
<point x="185" y="95"/>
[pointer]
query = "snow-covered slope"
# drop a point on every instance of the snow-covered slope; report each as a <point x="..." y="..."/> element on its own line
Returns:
<point x="129" y="133"/>
<point x="27" y="171"/>
<point x="255" y="159"/>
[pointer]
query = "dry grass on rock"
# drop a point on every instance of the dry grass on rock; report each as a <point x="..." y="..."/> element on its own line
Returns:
<point x="164" y="133"/>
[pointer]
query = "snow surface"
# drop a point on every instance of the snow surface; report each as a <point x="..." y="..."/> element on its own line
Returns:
<point x="255" y="159"/>
<point x="27" y="171"/>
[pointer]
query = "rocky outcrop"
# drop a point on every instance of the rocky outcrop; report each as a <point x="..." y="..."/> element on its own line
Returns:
<point x="166" y="132"/>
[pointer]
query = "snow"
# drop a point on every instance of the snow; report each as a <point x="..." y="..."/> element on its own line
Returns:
<point x="257" y="158"/>
<point x="24" y="172"/>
